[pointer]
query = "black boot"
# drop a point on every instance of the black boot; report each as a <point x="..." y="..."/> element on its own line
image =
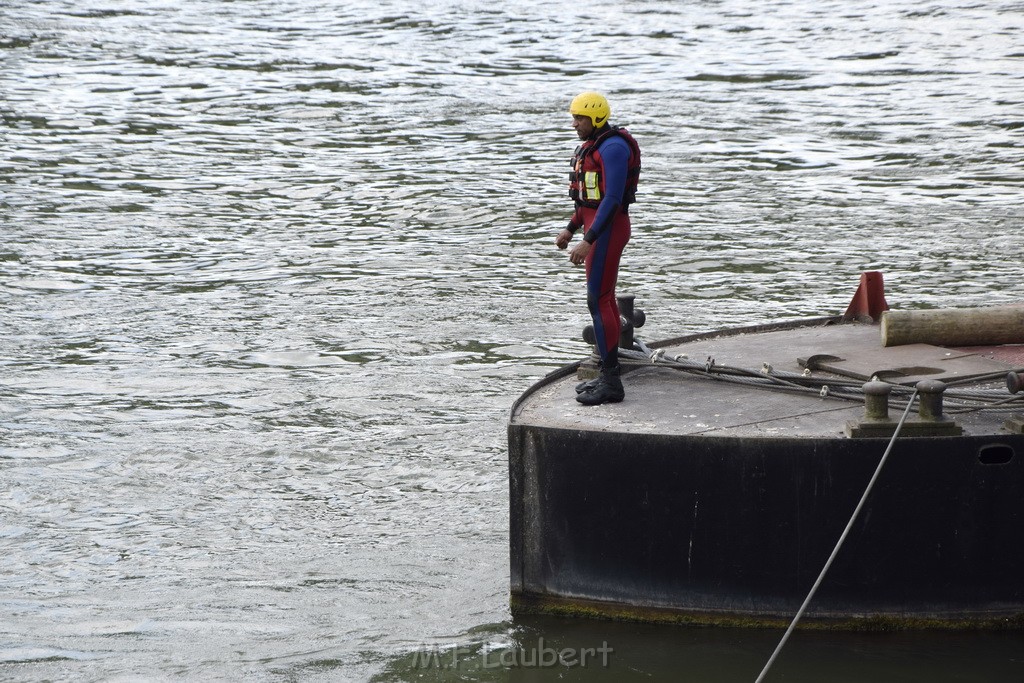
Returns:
<point x="586" y="386"/>
<point x="607" y="389"/>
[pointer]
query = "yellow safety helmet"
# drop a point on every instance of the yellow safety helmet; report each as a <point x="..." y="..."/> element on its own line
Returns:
<point x="593" y="105"/>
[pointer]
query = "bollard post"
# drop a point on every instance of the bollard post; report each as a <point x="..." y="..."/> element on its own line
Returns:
<point x="876" y="401"/>
<point x="930" y="407"/>
<point x="629" y="316"/>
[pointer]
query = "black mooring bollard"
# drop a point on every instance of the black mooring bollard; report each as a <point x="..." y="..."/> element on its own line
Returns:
<point x="629" y="316"/>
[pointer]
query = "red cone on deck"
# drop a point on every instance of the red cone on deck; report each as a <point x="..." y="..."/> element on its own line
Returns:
<point x="869" y="301"/>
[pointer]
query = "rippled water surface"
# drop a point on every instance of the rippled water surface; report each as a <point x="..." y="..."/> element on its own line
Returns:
<point x="272" y="274"/>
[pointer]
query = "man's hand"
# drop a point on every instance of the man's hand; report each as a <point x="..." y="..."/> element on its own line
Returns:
<point x="563" y="239"/>
<point x="579" y="253"/>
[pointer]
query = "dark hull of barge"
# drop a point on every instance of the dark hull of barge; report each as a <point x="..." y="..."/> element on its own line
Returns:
<point x="702" y="502"/>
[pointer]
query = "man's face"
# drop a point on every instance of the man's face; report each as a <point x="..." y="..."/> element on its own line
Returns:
<point x="583" y="126"/>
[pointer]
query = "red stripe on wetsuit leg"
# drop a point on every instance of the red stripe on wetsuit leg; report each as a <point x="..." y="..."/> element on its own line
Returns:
<point x="602" y="275"/>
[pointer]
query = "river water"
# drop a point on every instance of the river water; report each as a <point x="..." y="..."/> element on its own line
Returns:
<point x="273" y="272"/>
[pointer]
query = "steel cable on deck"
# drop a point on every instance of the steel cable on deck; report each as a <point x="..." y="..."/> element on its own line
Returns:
<point x="965" y="400"/>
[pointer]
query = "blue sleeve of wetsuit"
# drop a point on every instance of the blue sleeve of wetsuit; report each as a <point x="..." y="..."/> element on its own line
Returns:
<point x="615" y="159"/>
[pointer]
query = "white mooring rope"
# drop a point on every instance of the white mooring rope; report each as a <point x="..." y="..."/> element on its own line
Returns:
<point x="839" y="544"/>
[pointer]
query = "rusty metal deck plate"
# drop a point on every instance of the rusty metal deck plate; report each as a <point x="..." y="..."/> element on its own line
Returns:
<point x="1008" y="353"/>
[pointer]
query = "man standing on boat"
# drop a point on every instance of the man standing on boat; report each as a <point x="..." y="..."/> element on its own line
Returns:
<point x="605" y="169"/>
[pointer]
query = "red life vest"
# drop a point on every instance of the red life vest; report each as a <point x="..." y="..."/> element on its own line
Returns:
<point x="586" y="182"/>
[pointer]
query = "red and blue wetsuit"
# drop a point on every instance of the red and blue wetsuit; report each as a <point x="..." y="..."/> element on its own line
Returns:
<point x="603" y="185"/>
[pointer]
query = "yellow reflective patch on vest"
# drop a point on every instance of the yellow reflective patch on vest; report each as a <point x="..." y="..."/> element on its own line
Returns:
<point x="591" y="190"/>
